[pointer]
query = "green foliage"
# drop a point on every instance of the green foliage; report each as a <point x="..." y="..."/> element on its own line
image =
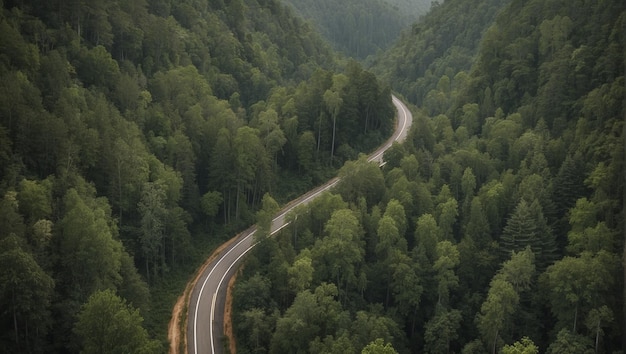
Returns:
<point x="128" y="127"/>
<point x="519" y="270"/>
<point x="528" y="227"/>
<point x="311" y="315"/>
<point x="338" y="255"/>
<point x="511" y="182"/>
<point x="210" y="203"/>
<point x="361" y="178"/>
<point x="577" y="285"/>
<point x="568" y="342"/>
<point x="301" y="273"/>
<point x="35" y="199"/>
<point x="447" y="260"/>
<point x="91" y="256"/>
<point x="427" y="235"/>
<point x="441" y="330"/>
<point x="106" y="324"/>
<point x="26" y="292"/>
<point x="442" y="43"/>
<point x="153" y="215"/>
<point x="378" y="347"/>
<point x="497" y="311"/>
<point x="116" y="118"/>
<point x="269" y="207"/>
<point x="524" y="346"/>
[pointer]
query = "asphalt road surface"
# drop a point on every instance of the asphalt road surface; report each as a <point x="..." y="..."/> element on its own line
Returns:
<point x="205" y="318"/>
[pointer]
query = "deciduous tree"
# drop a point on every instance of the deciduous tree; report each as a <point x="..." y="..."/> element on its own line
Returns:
<point x="523" y="346"/>
<point x="107" y="324"/>
<point x="91" y="256"/>
<point x="379" y="346"/>
<point x="497" y="311"/>
<point x="26" y="292"/>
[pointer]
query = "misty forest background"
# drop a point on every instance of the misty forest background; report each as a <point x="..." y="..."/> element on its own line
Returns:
<point x="137" y="135"/>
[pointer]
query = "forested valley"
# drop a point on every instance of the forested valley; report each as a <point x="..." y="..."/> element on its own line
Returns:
<point x="136" y="136"/>
<point x="497" y="227"/>
<point x="360" y="28"/>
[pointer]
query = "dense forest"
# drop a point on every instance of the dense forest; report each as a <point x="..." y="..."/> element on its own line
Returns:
<point x="136" y="135"/>
<point x="497" y="227"/>
<point x="443" y="43"/>
<point x="359" y="28"/>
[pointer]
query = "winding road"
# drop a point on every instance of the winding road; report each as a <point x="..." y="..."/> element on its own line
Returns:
<point x="205" y="318"/>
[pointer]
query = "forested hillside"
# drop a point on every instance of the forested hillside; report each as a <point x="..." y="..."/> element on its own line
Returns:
<point x="136" y="135"/>
<point x="442" y="43"/>
<point x="498" y="227"/>
<point x="359" y="28"/>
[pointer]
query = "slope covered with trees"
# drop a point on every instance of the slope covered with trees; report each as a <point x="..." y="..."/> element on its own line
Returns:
<point x="359" y="28"/>
<point x="442" y="43"/>
<point x="497" y="227"/>
<point x="135" y="134"/>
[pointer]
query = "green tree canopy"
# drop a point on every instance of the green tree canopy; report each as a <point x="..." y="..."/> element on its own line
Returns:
<point x="378" y="346"/>
<point x="26" y="292"/>
<point x="107" y="324"/>
<point x="523" y="346"/>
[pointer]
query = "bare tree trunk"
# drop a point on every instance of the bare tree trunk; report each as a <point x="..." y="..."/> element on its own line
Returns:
<point x="495" y="341"/>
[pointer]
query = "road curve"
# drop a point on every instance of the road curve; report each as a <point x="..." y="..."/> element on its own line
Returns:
<point x="205" y="317"/>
